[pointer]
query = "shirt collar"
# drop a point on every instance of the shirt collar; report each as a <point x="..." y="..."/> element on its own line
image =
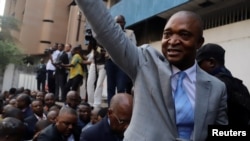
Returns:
<point x="190" y="72"/>
<point x="39" y="118"/>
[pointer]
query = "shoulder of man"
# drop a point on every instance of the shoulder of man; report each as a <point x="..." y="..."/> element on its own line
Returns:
<point x="48" y="132"/>
<point x="237" y="90"/>
<point x="91" y="133"/>
<point x="232" y="82"/>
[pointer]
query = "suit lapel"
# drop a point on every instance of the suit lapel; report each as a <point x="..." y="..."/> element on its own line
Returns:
<point x="203" y="88"/>
<point x="164" y="71"/>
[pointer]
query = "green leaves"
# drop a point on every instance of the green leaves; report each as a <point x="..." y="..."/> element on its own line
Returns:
<point x="9" y="52"/>
<point x="8" y="25"/>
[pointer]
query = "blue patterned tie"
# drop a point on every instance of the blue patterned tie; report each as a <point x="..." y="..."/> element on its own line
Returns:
<point x="183" y="109"/>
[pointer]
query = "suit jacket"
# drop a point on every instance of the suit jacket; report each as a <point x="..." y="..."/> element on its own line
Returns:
<point x="31" y="122"/>
<point x="63" y="58"/>
<point x="51" y="133"/>
<point x="99" y="132"/>
<point x="153" y="116"/>
<point x="27" y="112"/>
<point x="41" y="72"/>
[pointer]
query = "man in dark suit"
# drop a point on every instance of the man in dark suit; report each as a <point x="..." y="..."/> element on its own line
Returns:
<point x="60" y="72"/>
<point x="112" y="127"/>
<point x="117" y="79"/>
<point x="41" y="75"/>
<point x="23" y="103"/>
<point x="64" y="129"/>
<point x="38" y="114"/>
<point x="155" y="75"/>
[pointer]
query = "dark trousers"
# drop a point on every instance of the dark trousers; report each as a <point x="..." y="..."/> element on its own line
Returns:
<point x="116" y="79"/>
<point x="51" y="81"/>
<point x="41" y="84"/>
<point x="72" y="84"/>
<point x="60" y="81"/>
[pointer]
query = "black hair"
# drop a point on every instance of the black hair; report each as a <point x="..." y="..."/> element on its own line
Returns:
<point x="103" y="112"/>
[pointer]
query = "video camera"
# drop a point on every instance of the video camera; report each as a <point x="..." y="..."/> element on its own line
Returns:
<point x="88" y="35"/>
<point x="50" y="50"/>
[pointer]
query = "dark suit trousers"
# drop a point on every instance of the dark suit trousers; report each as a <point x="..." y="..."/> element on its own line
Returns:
<point x="41" y="84"/>
<point x="72" y="84"/>
<point x="116" y="79"/>
<point x="60" y="81"/>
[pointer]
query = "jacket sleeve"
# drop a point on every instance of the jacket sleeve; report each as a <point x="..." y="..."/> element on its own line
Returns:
<point x="87" y="136"/>
<point x="109" y="34"/>
<point x="42" y="137"/>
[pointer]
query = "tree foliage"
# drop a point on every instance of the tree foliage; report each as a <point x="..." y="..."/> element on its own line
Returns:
<point x="8" y="24"/>
<point x="9" y="52"/>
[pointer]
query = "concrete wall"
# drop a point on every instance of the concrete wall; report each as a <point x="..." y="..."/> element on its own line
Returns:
<point x="235" y="38"/>
<point x="14" y="77"/>
<point x="8" y="77"/>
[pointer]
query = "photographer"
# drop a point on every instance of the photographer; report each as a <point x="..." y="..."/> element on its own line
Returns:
<point x="52" y="53"/>
<point x="96" y="73"/>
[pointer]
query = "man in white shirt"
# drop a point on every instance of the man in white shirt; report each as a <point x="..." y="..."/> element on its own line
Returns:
<point x="53" y="53"/>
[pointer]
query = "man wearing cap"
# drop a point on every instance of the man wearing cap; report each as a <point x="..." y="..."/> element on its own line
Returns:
<point x="211" y="58"/>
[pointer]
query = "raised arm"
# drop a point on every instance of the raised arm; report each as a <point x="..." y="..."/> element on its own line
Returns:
<point x="110" y="35"/>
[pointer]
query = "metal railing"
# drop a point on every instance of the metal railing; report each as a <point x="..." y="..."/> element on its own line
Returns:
<point x="225" y="16"/>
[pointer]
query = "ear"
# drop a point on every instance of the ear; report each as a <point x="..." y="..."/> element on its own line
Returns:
<point x="110" y="111"/>
<point x="200" y="42"/>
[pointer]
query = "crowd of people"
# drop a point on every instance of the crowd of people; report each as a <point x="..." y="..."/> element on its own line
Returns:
<point x="36" y="116"/>
<point x="167" y="96"/>
<point x="67" y="67"/>
<point x="56" y="111"/>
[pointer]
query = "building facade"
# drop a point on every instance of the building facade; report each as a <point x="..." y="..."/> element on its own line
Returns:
<point x="45" y="22"/>
<point x="226" y="22"/>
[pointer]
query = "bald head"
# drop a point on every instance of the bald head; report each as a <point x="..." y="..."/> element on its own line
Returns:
<point x="73" y="99"/>
<point x="122" y="101"/>
<point x="11" y="129"/>
<point x="189" y="16"/>
<point x="24" y="97"/>
<point x="66" y="121"/>
<point x="120" y="112"/>
<point x="47" y="95"/>
<point x="11" y="111"/>
<point x="67" y="110"/>
<point x="52" y="115"/>
<point x="71" y="94"/>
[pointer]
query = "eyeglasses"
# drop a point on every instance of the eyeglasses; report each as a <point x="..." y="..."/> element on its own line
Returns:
<point x="121" y="121"/>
